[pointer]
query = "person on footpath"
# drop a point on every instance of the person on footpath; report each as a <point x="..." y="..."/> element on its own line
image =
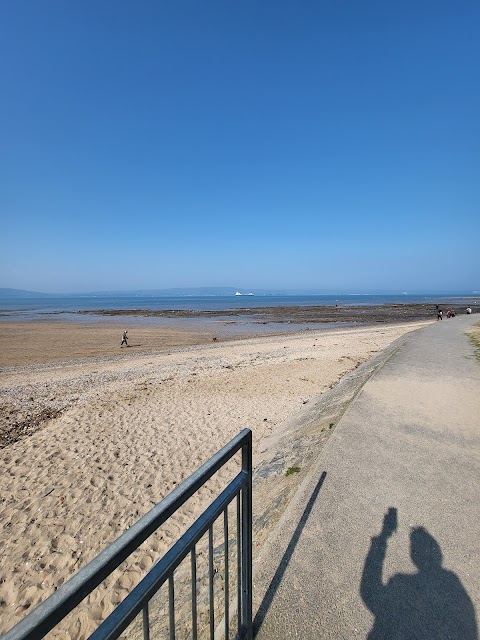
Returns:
<point x="440" y="315"/>
<point x="124" y="338"/>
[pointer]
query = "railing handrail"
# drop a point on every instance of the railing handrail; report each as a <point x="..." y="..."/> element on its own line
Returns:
<point x="126" y="611"/>
<point x="58" y="605"/>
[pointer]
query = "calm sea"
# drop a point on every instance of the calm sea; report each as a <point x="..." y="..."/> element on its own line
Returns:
<point x="30" y="308"/>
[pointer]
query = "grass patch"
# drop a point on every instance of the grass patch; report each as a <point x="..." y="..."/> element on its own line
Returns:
<point x="474" y="336"/>
<point x="291" y="470"/>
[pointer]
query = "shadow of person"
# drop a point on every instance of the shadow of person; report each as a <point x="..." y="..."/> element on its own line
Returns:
<point x="428" y="604"/>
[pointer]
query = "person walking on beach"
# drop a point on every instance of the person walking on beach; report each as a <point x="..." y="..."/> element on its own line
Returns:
<point x="124" y="338"/>
<point x="440" y="315"/>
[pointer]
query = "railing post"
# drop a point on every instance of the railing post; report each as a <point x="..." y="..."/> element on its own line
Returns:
<point x="247" y="541"/>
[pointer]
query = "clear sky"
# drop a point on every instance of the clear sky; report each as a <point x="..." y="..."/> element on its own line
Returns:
<point x="277" y="144"/>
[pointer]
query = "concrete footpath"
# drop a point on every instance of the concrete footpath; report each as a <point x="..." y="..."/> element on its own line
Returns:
<point x="382" y="540"/>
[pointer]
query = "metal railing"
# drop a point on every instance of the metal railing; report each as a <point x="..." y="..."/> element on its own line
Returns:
<point x="50" y="612"/>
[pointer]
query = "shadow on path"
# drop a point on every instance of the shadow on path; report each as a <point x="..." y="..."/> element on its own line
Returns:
<point x="430" y="604"/>
<point x="277" y="578"/>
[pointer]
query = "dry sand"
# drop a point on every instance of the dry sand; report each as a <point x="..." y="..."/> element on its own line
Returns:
<point x="128" y="428"/>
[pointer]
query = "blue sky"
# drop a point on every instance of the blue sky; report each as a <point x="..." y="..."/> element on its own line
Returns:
<point x="324" y="145"/>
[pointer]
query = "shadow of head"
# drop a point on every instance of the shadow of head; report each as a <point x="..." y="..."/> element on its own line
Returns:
<point x="425" y="551"/>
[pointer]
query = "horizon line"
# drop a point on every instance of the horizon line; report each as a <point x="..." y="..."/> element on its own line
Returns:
<point x="225" y="291"/>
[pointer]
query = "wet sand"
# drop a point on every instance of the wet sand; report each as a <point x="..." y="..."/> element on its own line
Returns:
<point x="44" y="342"/>
<point x="90" y="334"/>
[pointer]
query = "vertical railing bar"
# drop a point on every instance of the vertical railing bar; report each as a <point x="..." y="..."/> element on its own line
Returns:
<point x="239" y="569"/>
<point x="146" y="623"/>
<point x="227" y="579"/>
<point x="171" y="606"/>
<point x="210" y="581"/>
<point x="193" y="558"/>
<point x="247" y="541"/>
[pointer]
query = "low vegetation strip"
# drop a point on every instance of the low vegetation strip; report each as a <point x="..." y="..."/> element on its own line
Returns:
<point x="474" y="335"/>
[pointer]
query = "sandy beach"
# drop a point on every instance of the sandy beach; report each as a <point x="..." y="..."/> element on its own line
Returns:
<point x="93" y="439"/>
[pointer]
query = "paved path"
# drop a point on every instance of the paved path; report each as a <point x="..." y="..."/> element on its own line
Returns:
<point x="408" y="446"/>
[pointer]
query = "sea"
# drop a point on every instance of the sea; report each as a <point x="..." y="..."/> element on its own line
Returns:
<point x="24" y="308"/>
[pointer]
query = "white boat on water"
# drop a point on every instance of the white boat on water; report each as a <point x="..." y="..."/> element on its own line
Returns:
<point x="237" y="293"/>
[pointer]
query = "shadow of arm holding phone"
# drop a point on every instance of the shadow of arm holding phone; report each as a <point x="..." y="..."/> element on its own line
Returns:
<point x="431" y="603"/>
